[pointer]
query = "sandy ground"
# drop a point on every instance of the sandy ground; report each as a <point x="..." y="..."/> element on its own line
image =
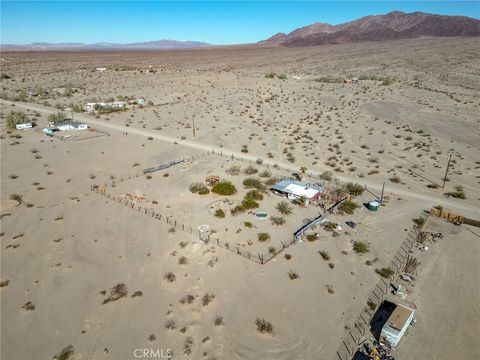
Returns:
<point x="447" y="276"/>
<point x="64" y="247"/>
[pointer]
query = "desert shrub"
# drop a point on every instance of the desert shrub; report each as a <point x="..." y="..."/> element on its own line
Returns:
<point x="264" y="326"/>
<point x="219" y="213"/>
<point x="207" y="299"/>
<point x="265" y="174"/>
<point x="329" y="80"/>
<point x="385" y="272"/>
<point x="271" y="181"/>
<point x="395" y="179"/>
<point x="272" y="250"/>
<point x="420" y="221"/>
<point x="361" y="247"/>
<point x="288" y="256"/>
<point x="254" y="183"/>
<point x="237" y="209"/>
<point x="371" y="305"/>
<point x="250" y="170"/>
<point x="331" y="265"/>
<point x="117" y="292"/>
<point x="330" y="226"/>
<point x="459" y="193"/>
<point x="65" y="354"/>
<point x="182" y="260"/>
<point x="326" y="175"/>
<point x="169" y="276"/>
<point x="354" y="189"/>
<point x="16" y="197"/>
<point x="311" y="237"/>
<point x="233" y="170"/>
<point x="277" y="220"/>
<point x="292" y="275"/>
<point x="330" y="289"/>
<point x="325" y="255"/>
<point x="270" y="75"/>
<point x="284" y="207"/>
<point x="15" y="118"/>
<point x="248" y="224"/>
<point x="282" y="76"/>
<point x="249" y="203"/>
<point x="218" y="321"/>
<point x="348" y="207"/>
<point x="199" y="188"/>
<point x="263" y="236"/>
<point x="301" y="201"/>
<point x="170" y="325"/>
<point x="254" y="195"/>
<point x="224" y="187"/>
<point x="56" y="118"/>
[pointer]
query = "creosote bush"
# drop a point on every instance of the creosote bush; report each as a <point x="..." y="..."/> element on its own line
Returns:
<point x="354" y="189"/>
<point x="224" y="187"/>
<point x="385" y="272"/>
<point x="284" y="207"/>
<point x="263" y="236"/>
<point x="219" y="213"/>
<point x="199" y="188"/>
<point x="361" y="247"/>
<point x="264" y="326"/>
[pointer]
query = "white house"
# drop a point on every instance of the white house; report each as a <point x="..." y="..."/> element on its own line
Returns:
<point x="71" y="125"/>
<point x="396" y="325"/>
<point x="294" y="189"/>
<point x="24" y="126"/>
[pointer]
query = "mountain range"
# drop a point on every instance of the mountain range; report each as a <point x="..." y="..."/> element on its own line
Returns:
<point x="149" y="45"/>
<point x="392" y="26"/>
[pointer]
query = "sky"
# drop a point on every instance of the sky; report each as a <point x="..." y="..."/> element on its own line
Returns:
<point x="215" y="22"/>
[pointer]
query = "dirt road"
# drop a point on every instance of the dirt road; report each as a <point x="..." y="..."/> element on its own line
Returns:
<point x="427" y="197"/>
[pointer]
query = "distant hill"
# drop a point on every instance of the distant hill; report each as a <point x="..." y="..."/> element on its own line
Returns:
<point x="150" y="45"/>
<point x="392" y="26"/>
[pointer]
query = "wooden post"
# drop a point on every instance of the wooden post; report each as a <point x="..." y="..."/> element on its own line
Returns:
<point x="446" y="171"/>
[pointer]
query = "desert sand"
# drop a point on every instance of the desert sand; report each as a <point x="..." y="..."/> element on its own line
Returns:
<point x="65" y="247"/>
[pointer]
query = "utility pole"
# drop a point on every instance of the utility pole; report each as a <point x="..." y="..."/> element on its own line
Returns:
<point x="193" y="124"/>
<point x="446" y="172"/>
<point x="383" y="188"/>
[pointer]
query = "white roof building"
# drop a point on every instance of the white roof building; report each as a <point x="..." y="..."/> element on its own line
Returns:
<point x="295" y="189"/>
<point x="396" y="325"/>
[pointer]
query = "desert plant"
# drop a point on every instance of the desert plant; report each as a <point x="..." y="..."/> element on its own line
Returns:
<point x="284" y="207"/>
<point x="330" y="226"/>
<point x="354" y="189"/>
<point x="264" y="326"/>
<point x="311" y="237"/>
<point x="65" y="354"/>
<point x="56" y="118"/>
<point x="459" y="193"/>
<point x="254" y="195"/>
<point x="233" y="170"/>
<point x="224" y="187"/>
<point x="420" y="221"/>
<point x="292" y="275"/>
<point x="301" y="201"/>
<point x="117" y="292"/>
<point x="326" y="175"/>
<point x="250" y="183"/>
<point x="288" y="256"/>
<point x="361" y="247"/>
<point x="15" y="118"/>
<point x="371" y="305"/>
<point x="250" y="170"/>
<point x="218" y="321"/>
<point x="277" y="220"/>
<point x="248" y="203"/>
<point x="263" y="236"/>
<point x="325" y="256"/>
<point x="385" y="272"/>
<point x="182" y="260"/>
<point x="199" y="188"/>
<point x="348" y="207"/>
<point x="219" y="213"/>
<point x="395" y="179"/>
<point x="169" y="276"/>
<point x="16" y="197"/>
<point x="207" y="299"/>
<point x="330" y="289"/>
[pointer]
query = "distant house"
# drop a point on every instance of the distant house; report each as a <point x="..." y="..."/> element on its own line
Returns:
<point x="116" y="105"/>
<point x="294" y="189"/>
<point x="71" y="125"/>
<point x="396" y="325"/>
<point x="24" y="126"/>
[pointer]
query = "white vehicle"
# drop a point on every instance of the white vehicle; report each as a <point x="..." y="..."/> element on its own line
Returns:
<point x="24" y="126"/>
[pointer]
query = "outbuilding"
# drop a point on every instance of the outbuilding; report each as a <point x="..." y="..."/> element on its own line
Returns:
<point x="396" y="325"/>
<point x="24" y="126"/>
<point x="294" y="189"/>
<point x="71" y="125"/>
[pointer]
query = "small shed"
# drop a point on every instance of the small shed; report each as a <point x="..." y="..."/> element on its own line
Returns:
<point x="396" y="325"/>
<point x="71" y="125"/>
<point x="141" y="101"/>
